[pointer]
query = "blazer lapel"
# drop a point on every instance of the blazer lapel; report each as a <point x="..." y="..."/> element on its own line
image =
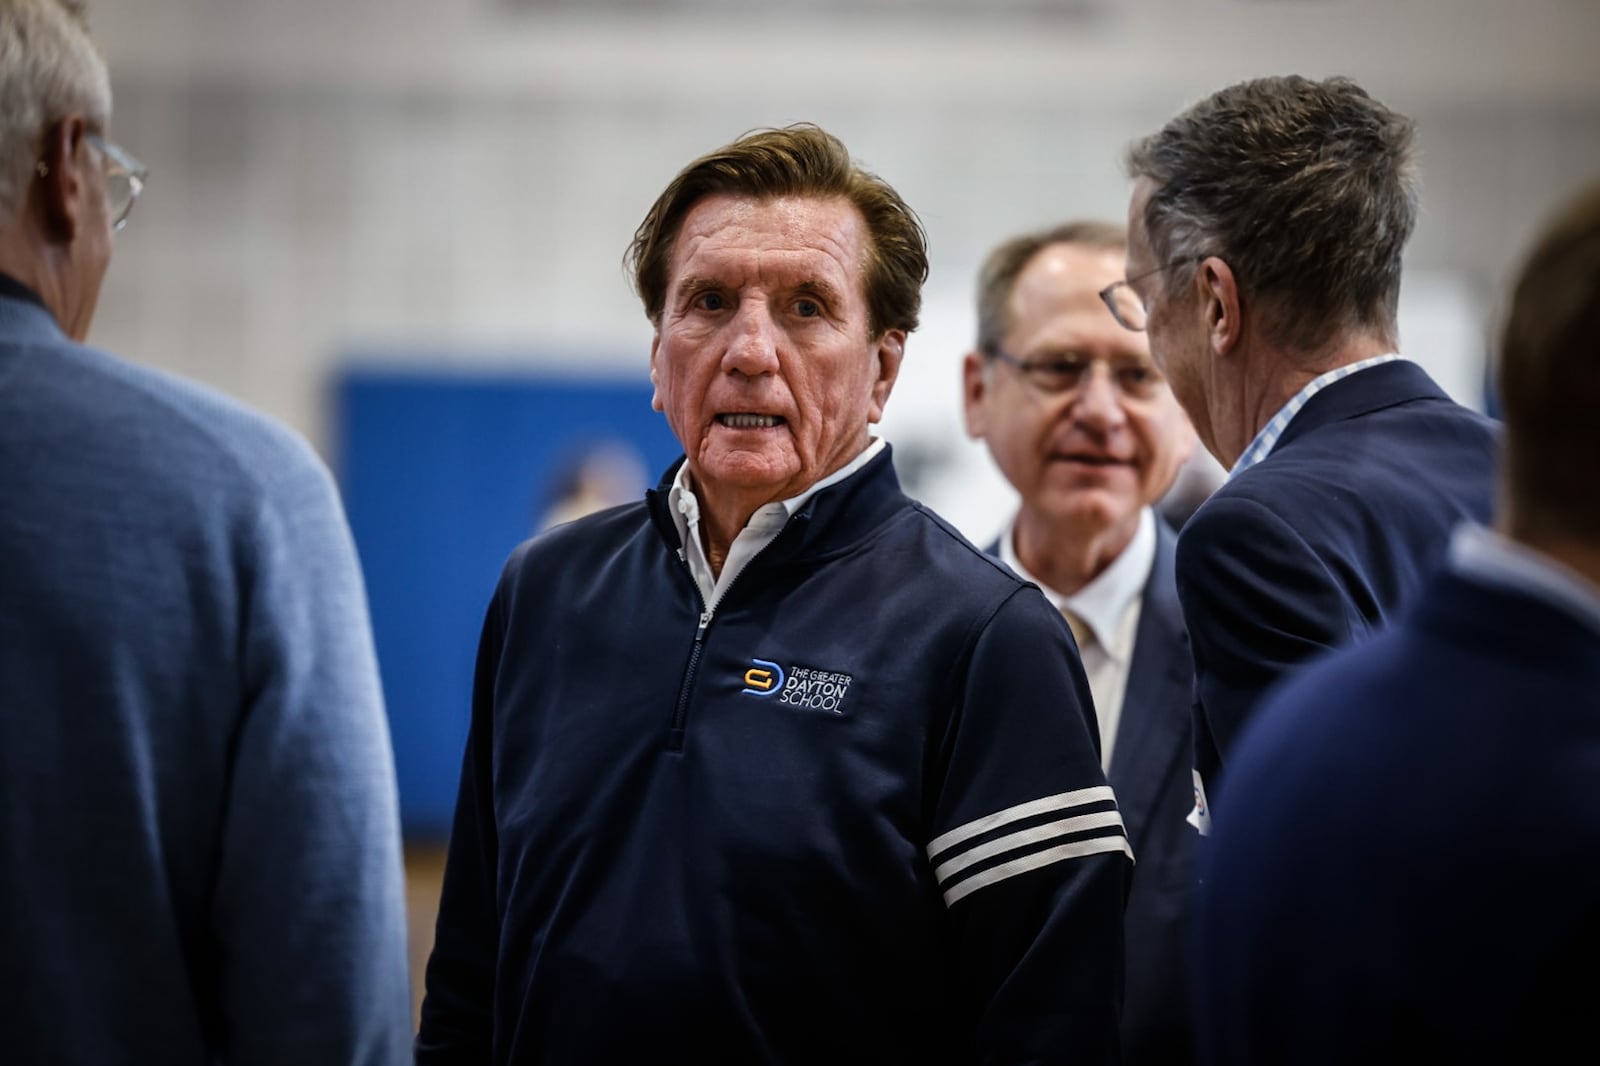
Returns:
<point x="1153" y="731"/>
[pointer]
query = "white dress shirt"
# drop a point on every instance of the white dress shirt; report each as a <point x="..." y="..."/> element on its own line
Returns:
<point x="1109" y="608"/>
<point x="764" y="526"/>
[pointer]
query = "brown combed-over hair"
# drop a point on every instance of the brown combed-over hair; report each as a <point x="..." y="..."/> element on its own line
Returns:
<point x="801" y="160"/>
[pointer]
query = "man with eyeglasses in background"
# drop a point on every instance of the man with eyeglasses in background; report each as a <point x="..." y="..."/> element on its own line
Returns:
<point x="1444" y="905"/>
<point x="200" y="835"/>
<point x="1084" y="427"/>
<point x="1265" y="235"/>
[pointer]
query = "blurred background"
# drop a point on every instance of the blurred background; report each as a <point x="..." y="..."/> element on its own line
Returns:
<point x="398" y="227"/>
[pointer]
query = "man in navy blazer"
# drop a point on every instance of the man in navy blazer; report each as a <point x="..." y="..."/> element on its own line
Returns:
<point x="1265" y="237"/>
<point x="1427" y="802"/>
<point x="1084" y="427"/>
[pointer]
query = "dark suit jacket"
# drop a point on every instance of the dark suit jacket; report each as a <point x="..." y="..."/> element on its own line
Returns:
<point x="1326" y="539"/>
<point x="1150" y="774"/>
<point x="1427" y="806"/>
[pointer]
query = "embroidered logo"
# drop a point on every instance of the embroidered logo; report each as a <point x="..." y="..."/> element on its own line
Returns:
<point x="763" y="678"/>
<point x="801" y="687"/>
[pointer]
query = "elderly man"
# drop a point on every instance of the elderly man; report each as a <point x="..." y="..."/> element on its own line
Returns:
<point x="1445" y="905"/>
<point x="754" y="774"/>
<point x="201" y="836"/>
<point x="1085" y="428"/>
<point x="1265" y="237"/>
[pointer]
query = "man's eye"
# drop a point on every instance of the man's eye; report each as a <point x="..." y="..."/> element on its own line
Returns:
<point x="1058" y="371"/>
<point x="710" y="301"/>
<point x="1139" y="378"/>
<point x="807" y="308"/>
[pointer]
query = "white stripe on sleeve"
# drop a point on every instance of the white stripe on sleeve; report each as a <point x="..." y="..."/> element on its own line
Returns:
<point x="1030" y="847"/>
<point x="1076" y="849"/>
<point x="1022" y="838"/>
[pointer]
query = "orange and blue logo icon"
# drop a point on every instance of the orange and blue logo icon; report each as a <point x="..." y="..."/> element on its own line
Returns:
<point x="763" y="678"/>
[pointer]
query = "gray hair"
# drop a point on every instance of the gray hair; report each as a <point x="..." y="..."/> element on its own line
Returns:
<point x="49" y="69"/>
<point x="997" y="278"/>
<point x="1307" y="189"/>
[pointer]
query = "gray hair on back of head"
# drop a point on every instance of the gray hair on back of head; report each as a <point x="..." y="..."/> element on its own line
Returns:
<point x="1307" y="189"/>
<point x="49" y="69"/>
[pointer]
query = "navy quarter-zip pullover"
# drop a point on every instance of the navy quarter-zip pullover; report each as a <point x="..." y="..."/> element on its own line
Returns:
<point x="858" y="816"/>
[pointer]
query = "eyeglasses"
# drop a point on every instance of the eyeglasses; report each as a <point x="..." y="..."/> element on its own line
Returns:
<point x="1134" y="378"/>
<point x="1124" y="303"/>
<point x="125" y="177"/>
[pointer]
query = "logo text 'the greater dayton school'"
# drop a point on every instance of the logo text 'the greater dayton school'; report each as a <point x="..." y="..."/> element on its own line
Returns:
<point x="800" y="686"/>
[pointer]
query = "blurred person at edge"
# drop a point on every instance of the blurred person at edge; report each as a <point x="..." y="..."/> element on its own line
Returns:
<point x="201" y="838"/>
<point x="1426" y="802"/>
<point x="1084" y="427"/>
<point x="753" y="775"/>
<point x="1265" y="235"/>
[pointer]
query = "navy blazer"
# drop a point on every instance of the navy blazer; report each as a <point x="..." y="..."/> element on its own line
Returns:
<point x="1426" y="804"/>
<point x="1322" y="542"/>
<point x="1150" y="764"/>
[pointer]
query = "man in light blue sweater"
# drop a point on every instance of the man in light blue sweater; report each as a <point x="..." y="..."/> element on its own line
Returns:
<point x="198" y="820"/>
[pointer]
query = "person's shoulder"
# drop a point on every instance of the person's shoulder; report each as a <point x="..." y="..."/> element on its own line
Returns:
<point x="1416" y="465"/>
<point x="1359" y="444"/>
<point x="947" y="547"/>
<point x="1321" y="478"/>
<point x="950" y="581"/>
<point x="1429" y="427"/>
<point x="1293" y="476"/>
<point x="197" y="428"/>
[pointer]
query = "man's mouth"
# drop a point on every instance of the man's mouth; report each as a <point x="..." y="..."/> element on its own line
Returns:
<point x="1090" y="460"/>
<point x="742" y="420"/>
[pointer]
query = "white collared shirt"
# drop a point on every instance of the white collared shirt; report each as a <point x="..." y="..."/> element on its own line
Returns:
<point x="1484" y="555"/>
<point x="1109" y="605"/>
<point x="764" y="526"/>
<point x="1267" y="439"/>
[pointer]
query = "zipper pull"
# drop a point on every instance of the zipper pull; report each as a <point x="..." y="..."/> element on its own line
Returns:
<point x="705" y="620"/>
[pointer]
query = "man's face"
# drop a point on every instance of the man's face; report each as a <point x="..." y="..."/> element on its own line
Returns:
<point x="1176" y="345"/>
<point x="762" y="361"/>
<point x="1091" y="456"/>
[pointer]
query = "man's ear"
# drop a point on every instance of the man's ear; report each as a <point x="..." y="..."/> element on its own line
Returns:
<point x="655" y="372"/>
<point x="974" y="389"/>
<point x="889" y="352"/>
<point x="1220" y="304"/>
<point x="62" y="179"/>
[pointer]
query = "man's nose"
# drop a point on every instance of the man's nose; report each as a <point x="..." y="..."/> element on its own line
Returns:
<point x="752" y="341"/>
<point x="1097" y="401"/>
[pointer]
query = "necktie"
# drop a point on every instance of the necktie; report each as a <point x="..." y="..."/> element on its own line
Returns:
<point x="1097" y="668"/>
<point x="1080" y="629"/>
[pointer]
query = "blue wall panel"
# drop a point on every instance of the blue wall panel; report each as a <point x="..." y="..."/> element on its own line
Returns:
<point x="443" y="474"/>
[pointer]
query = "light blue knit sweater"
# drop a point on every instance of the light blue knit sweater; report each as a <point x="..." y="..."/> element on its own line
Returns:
<point x="199" y="840"/>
